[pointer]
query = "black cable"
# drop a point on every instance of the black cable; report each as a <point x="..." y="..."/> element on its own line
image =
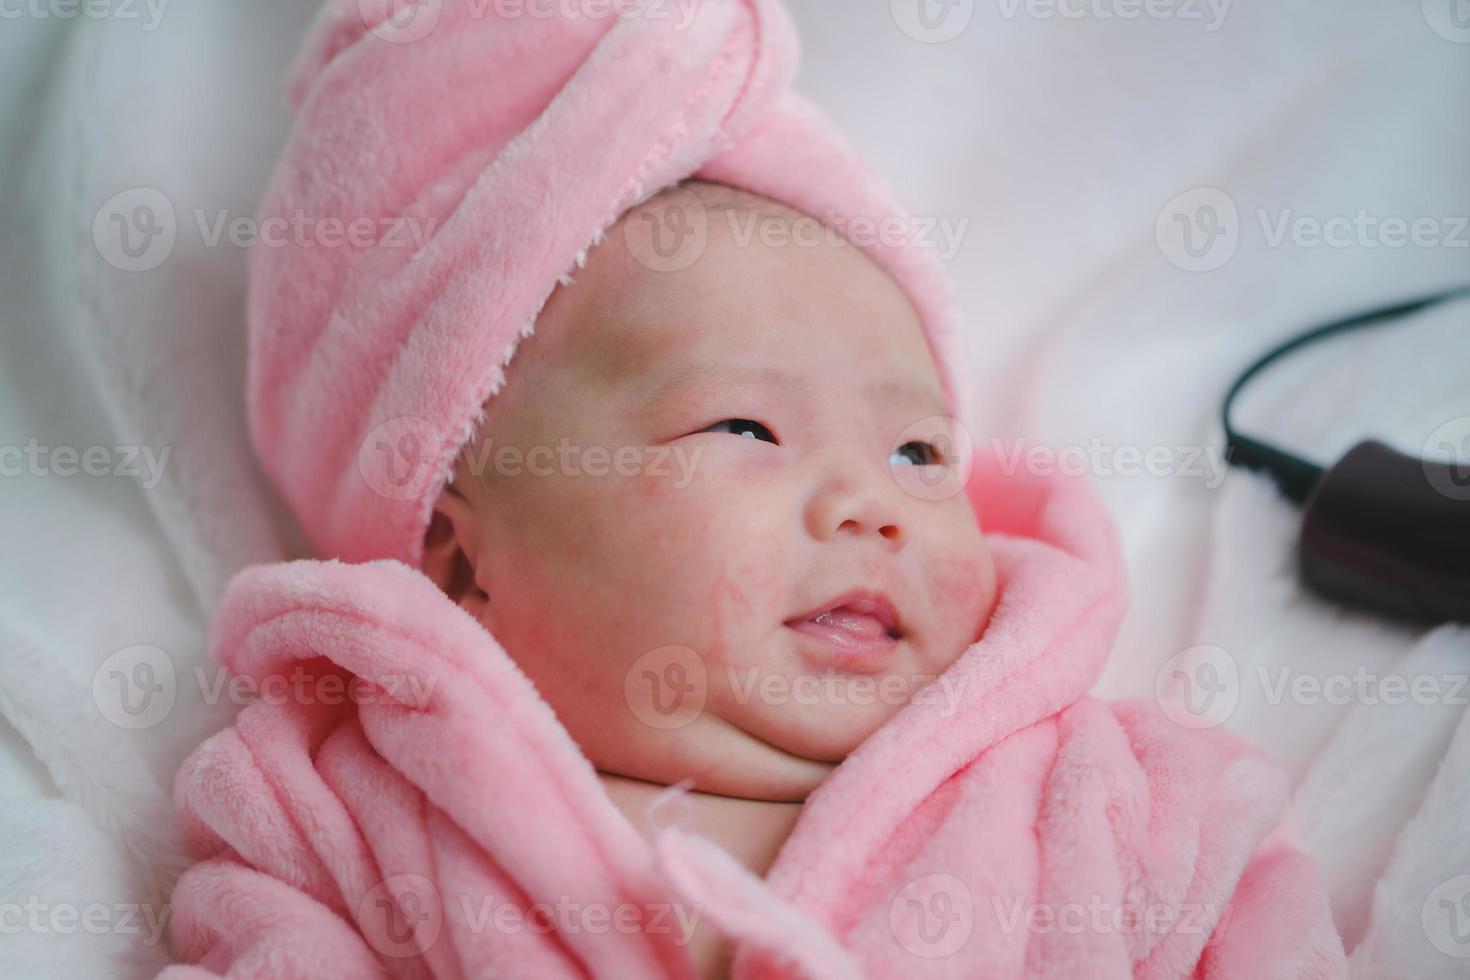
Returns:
<point x="1297" y="476"/>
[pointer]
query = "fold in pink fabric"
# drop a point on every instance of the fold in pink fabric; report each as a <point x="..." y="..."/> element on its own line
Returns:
<point x="440" y="822"/>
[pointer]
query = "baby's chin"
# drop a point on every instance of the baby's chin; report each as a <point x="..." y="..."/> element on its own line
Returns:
<point x="804" y="707"/>
<point x="715" y="756"/>
<point x="776" y="732"/>
<point x="778" y="752"/>
<point x="824" y="721"/>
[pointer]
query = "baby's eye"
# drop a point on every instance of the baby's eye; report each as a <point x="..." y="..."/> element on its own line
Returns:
<point x="743" y="427"/>
<point x="916" y="454"/>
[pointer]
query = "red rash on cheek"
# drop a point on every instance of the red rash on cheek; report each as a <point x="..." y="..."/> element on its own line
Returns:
<point x="665" y="475"/>
<point x="957" y="584"/>
<point x="745" y="598"/>
<point x="651" y="487"/>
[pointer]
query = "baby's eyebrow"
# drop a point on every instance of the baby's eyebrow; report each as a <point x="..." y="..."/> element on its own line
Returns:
<point x="771" y="376"/>
<point x="918" y="391"/>
<point x="706" y="373"/>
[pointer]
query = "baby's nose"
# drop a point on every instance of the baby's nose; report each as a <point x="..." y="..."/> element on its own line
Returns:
<point x="857" y="504"/>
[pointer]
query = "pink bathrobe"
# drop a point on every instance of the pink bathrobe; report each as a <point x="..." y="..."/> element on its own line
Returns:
<point x="1031" y="831"/>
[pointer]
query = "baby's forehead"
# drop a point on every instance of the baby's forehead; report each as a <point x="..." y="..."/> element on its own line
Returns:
<point x="736" y="303"/>
<point x="635" y="312"/>
<point x="622" y="333"/>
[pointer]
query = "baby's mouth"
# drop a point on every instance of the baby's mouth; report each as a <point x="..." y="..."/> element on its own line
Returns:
<point x="861" y="623"/>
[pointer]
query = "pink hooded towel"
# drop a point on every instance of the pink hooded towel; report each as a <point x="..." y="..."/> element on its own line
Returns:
<point x="510" y="143"/>
<point x="400" y="802"/>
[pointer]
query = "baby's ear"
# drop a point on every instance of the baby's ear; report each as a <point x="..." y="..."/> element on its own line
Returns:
<point x="450" y="546"/>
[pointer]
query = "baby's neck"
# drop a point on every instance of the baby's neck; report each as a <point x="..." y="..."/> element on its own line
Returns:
<point x="751" y="830"/>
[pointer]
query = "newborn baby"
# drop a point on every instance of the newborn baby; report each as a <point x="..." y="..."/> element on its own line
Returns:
<point x="793" y="377"/>
<point x="809" y="702"/>
<point x="788" y="375"/>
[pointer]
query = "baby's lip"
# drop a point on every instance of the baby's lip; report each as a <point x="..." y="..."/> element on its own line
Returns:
<point x="858" y="602"/>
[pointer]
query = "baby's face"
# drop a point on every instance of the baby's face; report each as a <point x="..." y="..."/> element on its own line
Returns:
<point x="696" y="516"/>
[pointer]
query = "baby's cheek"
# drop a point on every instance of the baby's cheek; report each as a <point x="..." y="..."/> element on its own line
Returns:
<point x="746" y="597"/>
<point x="963" y="587"/>
<point x="711" y="549"/>
<point x="954" y="580"/>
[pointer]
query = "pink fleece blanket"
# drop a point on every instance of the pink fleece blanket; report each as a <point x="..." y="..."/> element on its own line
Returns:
<point x="400" y="802"/>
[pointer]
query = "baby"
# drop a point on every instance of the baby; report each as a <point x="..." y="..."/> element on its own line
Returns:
<point x="788" y="375"/>
<point x="793" y="376"/>
<point x="817" y="692"/>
